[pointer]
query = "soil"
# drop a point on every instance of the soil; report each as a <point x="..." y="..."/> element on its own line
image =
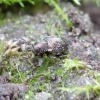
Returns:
<point x="83" y="43"/>
<point x="11" y="91"/>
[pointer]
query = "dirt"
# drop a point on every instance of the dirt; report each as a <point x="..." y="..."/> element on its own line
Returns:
<point x="83" y="43"/>
<point x="11" y="91"/>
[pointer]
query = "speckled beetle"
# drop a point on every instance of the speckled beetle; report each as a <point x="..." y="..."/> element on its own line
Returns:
<point x="54" y="45"/>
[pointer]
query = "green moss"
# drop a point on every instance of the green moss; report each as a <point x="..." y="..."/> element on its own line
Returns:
<point x="69" y="64"/>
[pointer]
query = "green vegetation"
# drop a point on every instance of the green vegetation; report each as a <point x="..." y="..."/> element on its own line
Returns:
<point x="83" y="89"/>
<point x="60" y="12"/>
<point x="2" y="43"/>
<point x="42" y="75"/>
<point x="89" y="88"/>
<point x="70" y="64"/>
<point x="77" y="2"/>
<point x="11" y="2"/>
<point x="53" y="3"/>
<point x="97" y="2"/>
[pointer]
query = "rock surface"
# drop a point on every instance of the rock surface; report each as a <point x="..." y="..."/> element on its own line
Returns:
<point x="83" y="44"/>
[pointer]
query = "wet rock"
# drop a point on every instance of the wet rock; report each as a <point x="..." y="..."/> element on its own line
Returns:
<point x="5" y="78"/>
<point x="96" y="40"/>
<point x="11" y="91"/>
<point x="43" y="96"/>
<point x="84" y="48"/>
<point x="81" y="21"/>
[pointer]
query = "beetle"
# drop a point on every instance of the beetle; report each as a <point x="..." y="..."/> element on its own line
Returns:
<point x="51" y="45"/>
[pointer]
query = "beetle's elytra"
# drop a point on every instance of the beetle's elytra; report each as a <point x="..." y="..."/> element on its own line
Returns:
<point x="54" y="45"/>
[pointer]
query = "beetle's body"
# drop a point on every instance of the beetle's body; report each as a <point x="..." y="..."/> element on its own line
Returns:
<point x="53" y="45"/>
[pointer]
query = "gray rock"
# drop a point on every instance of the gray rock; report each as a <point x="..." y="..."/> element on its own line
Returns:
<point x="43" y="96"/>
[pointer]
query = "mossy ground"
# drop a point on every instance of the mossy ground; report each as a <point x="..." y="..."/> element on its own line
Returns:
<point x="55" y="75"/>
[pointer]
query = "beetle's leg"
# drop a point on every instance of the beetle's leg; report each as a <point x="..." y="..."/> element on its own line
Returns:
<point x="24" y="40"/>
<point x="65" y="41"/>
<point x="47" y="37"/>
<point x="32" y="47"/>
